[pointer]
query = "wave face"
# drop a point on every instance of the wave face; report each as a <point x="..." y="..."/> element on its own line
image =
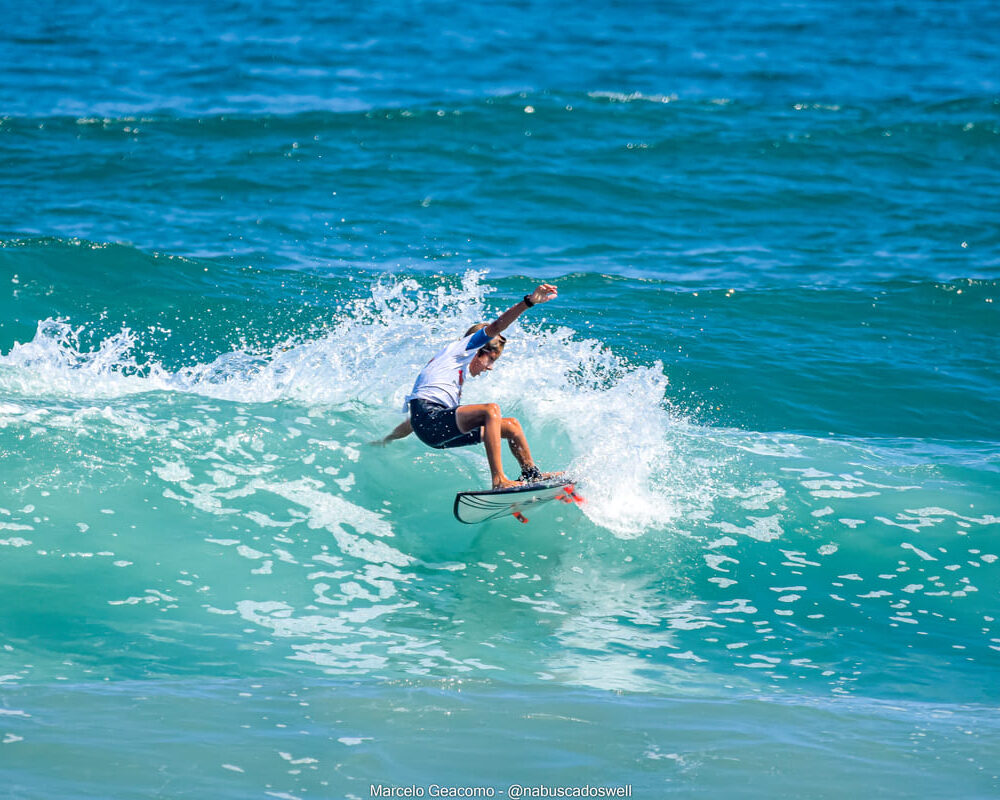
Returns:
<point x="193" y="496"/>
<point x="231" y="236"/>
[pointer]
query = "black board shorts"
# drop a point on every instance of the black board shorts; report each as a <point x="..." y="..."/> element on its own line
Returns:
<point x="436" y="425"/>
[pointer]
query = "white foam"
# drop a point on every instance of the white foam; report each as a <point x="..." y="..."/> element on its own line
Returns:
<point x="763" y="529"/>
<point x="632" y="97"/>
<point x="586" y="409"/>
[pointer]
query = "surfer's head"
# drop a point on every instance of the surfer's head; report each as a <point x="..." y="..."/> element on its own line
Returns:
<point x="488" y="353"/>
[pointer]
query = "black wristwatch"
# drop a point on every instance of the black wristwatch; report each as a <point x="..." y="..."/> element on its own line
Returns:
<point x="528" y="301"/>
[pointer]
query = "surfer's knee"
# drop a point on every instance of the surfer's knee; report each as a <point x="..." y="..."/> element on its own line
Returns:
<point x="492" y="411"/>
<point x="511" y="426"/>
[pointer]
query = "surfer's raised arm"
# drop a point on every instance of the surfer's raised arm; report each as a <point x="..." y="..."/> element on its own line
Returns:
<point x="544" y="293"/>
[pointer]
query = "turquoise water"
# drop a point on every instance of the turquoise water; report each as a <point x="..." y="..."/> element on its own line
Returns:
<point x="229" y="238"/>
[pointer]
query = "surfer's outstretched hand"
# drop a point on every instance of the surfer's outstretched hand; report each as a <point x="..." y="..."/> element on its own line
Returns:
<point x="544" y="293"/>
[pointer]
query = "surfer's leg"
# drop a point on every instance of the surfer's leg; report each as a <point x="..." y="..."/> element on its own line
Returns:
<point x="511" y="431"/>
<point x="488" y="416"/>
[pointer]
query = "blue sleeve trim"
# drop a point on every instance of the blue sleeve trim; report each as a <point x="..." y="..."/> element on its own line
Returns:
<point x="478" y="339"/>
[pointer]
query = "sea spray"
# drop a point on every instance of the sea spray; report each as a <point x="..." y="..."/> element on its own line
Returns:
<point x="597" y="416"/>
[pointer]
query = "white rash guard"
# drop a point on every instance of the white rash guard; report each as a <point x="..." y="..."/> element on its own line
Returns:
<point x="441" y="380"/>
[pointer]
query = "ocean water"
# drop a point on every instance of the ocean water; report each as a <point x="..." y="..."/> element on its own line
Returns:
<point x="231" y="235"/>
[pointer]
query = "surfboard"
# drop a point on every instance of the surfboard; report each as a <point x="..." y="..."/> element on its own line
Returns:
<point x="475" y="507"/>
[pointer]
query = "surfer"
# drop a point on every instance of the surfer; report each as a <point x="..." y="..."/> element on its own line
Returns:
<point x="438" y="418"/>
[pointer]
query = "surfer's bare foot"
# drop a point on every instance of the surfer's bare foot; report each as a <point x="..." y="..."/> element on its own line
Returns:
<point x="505" y="483"/>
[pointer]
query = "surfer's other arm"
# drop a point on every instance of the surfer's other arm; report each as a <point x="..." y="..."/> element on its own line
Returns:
<point x="542" y="294"/>
<point x="401" y="431"/>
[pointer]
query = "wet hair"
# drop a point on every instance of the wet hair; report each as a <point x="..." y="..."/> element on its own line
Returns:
<point x="494" y="345"/>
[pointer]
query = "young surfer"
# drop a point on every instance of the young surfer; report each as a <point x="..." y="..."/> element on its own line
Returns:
<point x="438" y="418"/>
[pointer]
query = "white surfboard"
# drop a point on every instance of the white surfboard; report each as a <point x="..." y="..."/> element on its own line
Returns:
<point x="517" y="501"/>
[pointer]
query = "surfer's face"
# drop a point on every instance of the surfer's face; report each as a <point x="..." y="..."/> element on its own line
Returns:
<point x="483" y="362"/>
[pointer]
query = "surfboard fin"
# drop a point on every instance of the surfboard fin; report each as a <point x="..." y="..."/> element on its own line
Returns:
<point x="571" y="496"/>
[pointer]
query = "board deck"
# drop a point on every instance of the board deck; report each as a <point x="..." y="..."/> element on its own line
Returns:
<point x="475" y="507"/>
